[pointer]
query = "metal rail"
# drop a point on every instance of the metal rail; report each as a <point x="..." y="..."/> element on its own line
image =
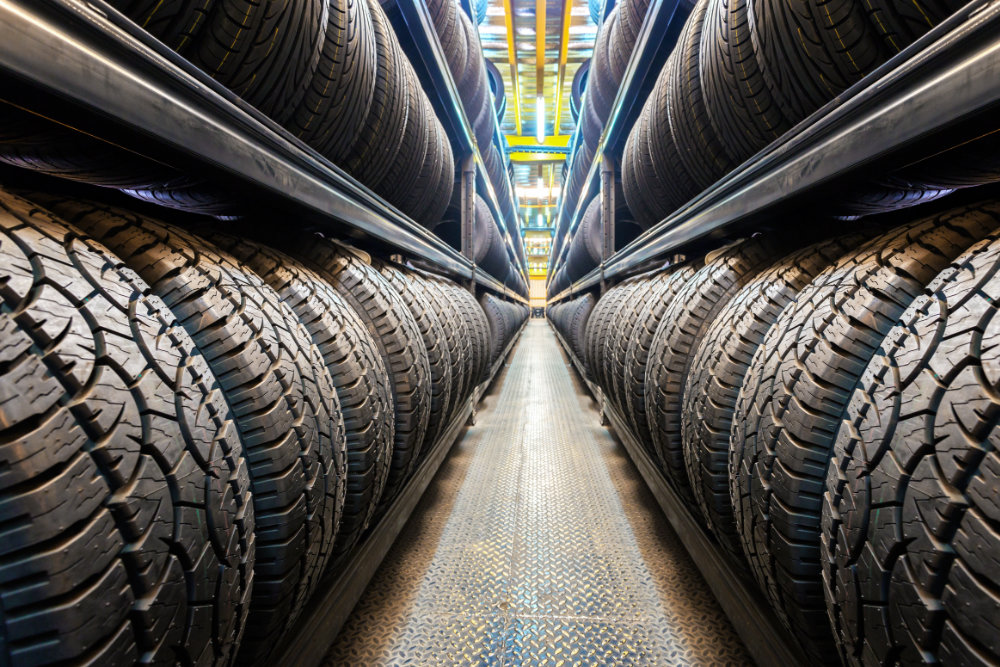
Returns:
<point x="346" y="580"/>
<point x="754" y="621"/>
<point x="943" y="81"/>
<point x="89" y="58"/>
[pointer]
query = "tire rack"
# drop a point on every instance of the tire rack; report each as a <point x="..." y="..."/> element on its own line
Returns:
<point x="931" y="92"/>
<point x="657" y="36"/>
<point x="345" y="581"/>
<point x="449" y="107"/>
<point x="730" y="581"/>
<point x="105" y="76"/>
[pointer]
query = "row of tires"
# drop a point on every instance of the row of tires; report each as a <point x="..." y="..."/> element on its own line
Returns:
<point x="197" y="424"/>
<point x="745" y="71"/>
<point x="330" y="71"/>
<point x="830" y="407"/>
<point x="615" y="41"/>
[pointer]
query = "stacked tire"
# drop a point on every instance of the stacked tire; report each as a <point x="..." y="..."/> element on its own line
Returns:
<point x="586" y="247"/>
<point x="828" y="408"/>
<point x="743" y="72"/>
<point x="203" y="423"/>
<point x="570" y="319"/>
<point x="330" y="71"/>
<point x="505" y="319"/>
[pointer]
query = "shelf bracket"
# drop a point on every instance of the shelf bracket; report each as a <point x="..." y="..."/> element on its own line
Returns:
<point x="607" y="213"/>
<point x="468" y="212"/>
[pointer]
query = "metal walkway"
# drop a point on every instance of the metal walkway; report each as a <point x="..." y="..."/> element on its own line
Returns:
<point x="538" y="544"/>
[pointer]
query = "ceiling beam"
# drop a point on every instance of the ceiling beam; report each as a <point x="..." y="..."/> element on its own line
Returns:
<point x="515" y="85"/>
<point x="563" y="56"/>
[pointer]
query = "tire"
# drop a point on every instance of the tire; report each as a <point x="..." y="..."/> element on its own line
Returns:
<point x="480" y="327"/>
<point x="603" y="84"/>
<point x="339" y="95"/>
<point x="381" y="135"/>
<point x="434" y="338"/>
<point x="739" y="103"/>
<point x="398" y="339"/>
<point x="681" y="330"/>
<point x="457" y="336"/>
<point x="641" y="340"/>
<point x="271" y="374"/>
<point x="444" y="13"/>
<point x="700" y="149"/>
<point x="809" y="52"/>
<point x="578" y="323"/>
<point x="497" y="325"/>
<point x="660" y="165"/>
<point x="902" y="23"/>
<point x="794" y="396"/>
<point x="907" y="551"/>
<point x="616" y="310"/>
<point x="720" y="365"/>
<point x="264" y="52"/>
<point x="621" y="335"/>
<point x="148" y="503"/>
<point x="355" y="366"/>
<point x="595" y="326"/>
<point x="176" y="23"/>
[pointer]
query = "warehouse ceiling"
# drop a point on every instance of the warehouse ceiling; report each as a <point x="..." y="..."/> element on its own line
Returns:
<point x="537" y="45"/>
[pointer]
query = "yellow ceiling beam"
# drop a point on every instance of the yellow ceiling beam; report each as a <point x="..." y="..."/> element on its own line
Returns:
<point x="563" y="56"/>
<point x="534" y="157"/>
<point x="515" y="84"/>
<point x="551" y="142"/>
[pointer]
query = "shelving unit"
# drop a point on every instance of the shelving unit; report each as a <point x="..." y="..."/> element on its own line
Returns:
<point x="912" y="106"/>
<point x="110" y="79"/>
<point x="448" y="105"/>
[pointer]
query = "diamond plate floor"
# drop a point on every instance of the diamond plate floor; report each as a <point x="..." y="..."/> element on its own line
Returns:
<point x="537" y="544"/>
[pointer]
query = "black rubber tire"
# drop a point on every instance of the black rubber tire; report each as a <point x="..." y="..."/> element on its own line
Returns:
<point x="909" y="541"/>
<point x="637" y="192"/>
<point x="491" y="307"/>
<point x="339" y="95"/>
<point x="681" y="330"/>
<point x="444" y="13"/>
<point x="603" y="84"/>
<point x="579" y="87"/>
<point x="659" y="163"/>
<point x="795" y="394"/>
<point x="355" y="366"/>
<point x="190" y="194"/>
<point x="381" y="135"/>
<point x="457" y="337"/>
<point x="621" y="335"/>
<point x="577" y="329"/>
<point x="434" y="337"/>
<point x="480" y="328"/>
<point x="720" y="365"/>
<point x="176" y="23"/>
<point x="283" y="401"/>
<point x="398" y="339"/>
<point x="902" y="23"/>
<point x="616" y="310"/>
<point x="641" y="340"/>
<point x="700" y="148"/>
<point x="265" y="52"/>
<point x="633" y="13"/>
<point x="124" y="485"/>
<point x="595" y="326"/>
<point x="810" y="51"/>
<point x="739" y="103"/>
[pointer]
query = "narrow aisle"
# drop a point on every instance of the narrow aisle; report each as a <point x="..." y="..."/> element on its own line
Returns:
<point x="538" y="543"/>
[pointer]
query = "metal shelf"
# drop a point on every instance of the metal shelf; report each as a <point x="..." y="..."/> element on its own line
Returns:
<point x="345" y="582"/>
<point x="942" y="82"/>
<point x="754" y="621"/>
<point x="87" y="57"/>
<point x="423" y="37"/>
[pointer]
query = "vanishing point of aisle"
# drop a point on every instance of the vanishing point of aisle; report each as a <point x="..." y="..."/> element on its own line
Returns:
<point x="538" y="544"/>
